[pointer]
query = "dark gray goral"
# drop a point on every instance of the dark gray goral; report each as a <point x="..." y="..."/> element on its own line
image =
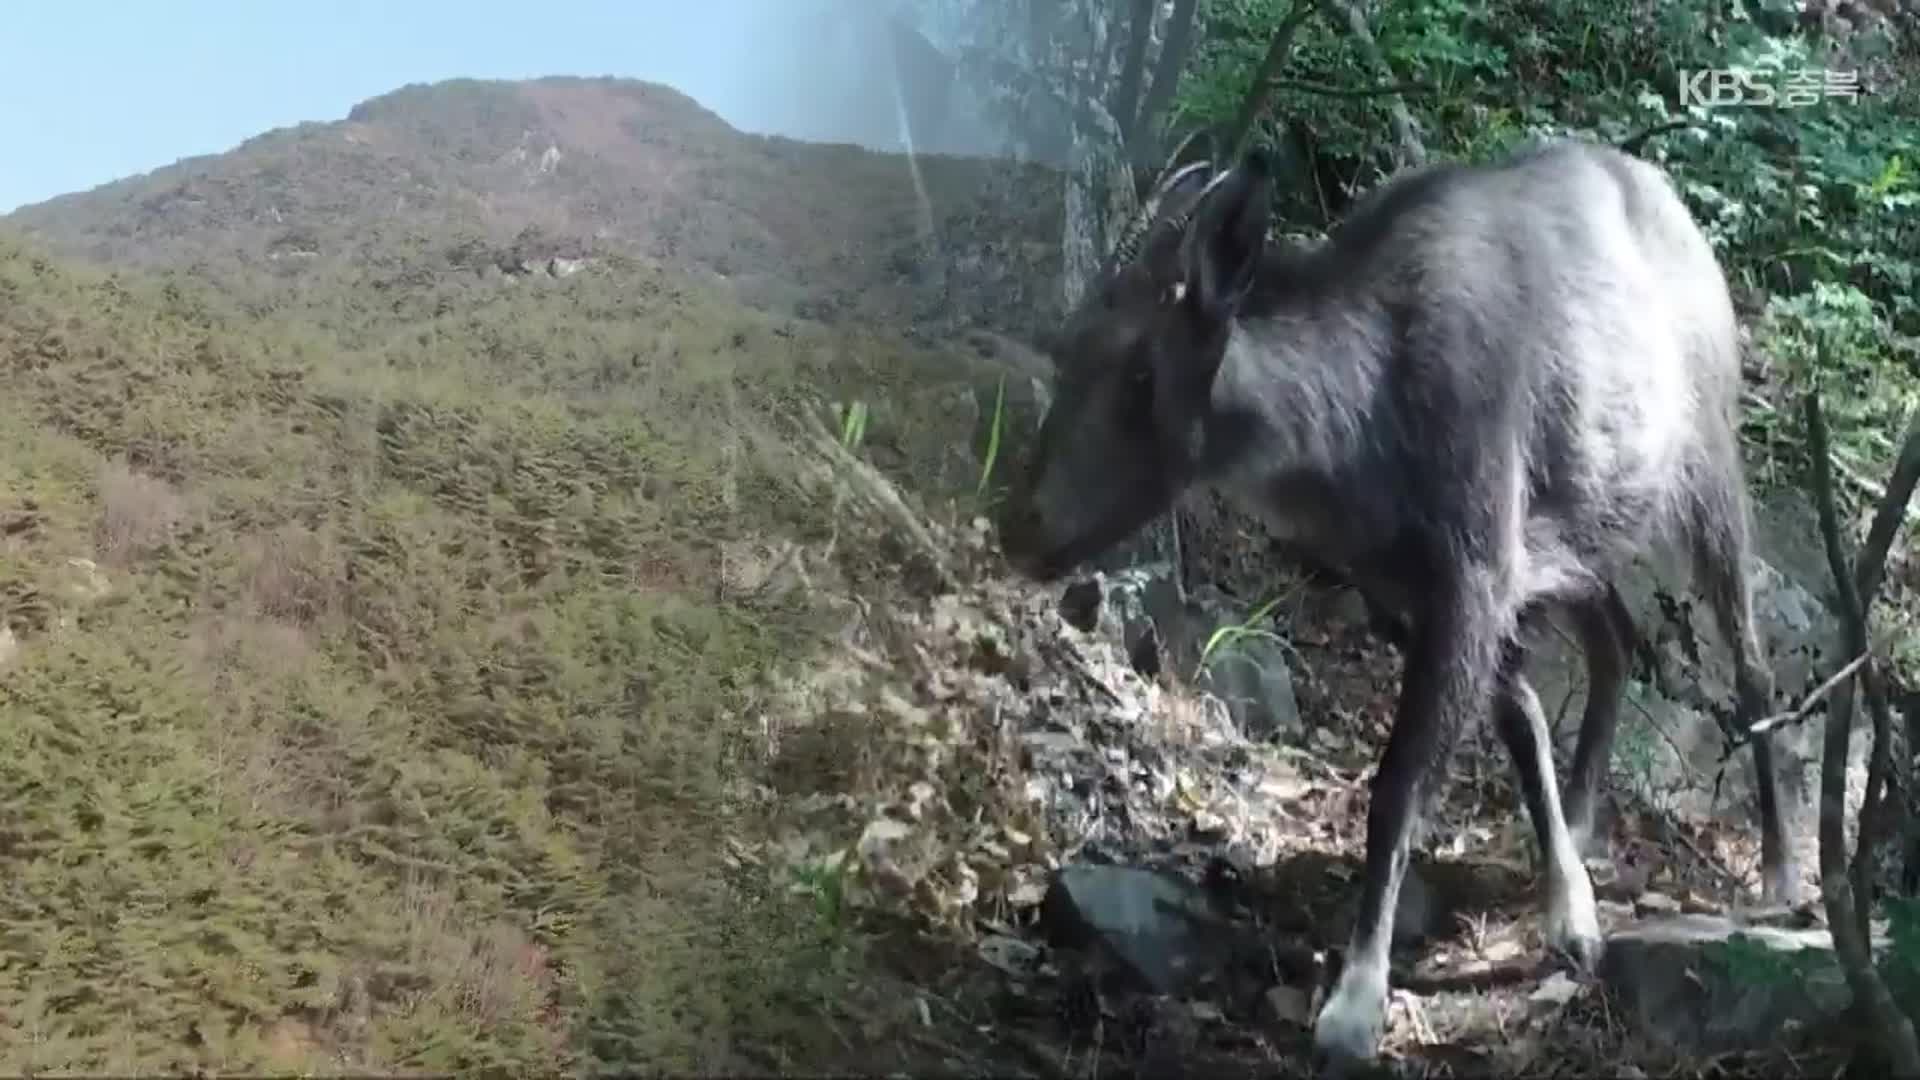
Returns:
<point x="1486" y="392"/>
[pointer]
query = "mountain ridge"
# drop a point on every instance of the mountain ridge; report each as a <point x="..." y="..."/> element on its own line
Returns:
<point x="581" y="167"/>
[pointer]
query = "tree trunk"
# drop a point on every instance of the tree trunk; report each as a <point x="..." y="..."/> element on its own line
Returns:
<point x="1080" y="246"/>
<point x="1133" y="71"/>
<point x="1166" y="79"/>
<point x="1098" y="196"/>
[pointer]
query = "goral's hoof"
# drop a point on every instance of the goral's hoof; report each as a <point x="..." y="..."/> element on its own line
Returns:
<point x="1579" y="954"/>
<point x="1349" y="1028"/>
<point x="1573" y="928"/>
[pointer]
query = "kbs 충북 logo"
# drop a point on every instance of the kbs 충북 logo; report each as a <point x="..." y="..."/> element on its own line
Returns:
<point x="1720" y="88"/>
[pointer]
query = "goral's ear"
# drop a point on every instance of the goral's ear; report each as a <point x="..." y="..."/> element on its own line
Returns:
<point x="1223" y="243"/>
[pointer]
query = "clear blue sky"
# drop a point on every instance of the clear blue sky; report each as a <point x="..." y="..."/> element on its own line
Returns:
<point x="94" y="90"/>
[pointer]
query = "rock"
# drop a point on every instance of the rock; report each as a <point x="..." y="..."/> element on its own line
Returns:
<point x="1707" y="984"/>
<point x="1558" y="989"/>
<point x="1289" y="1005"/>
<point x="1012" y="955"/>
<point x="1251" y="676"/>
<point x="1249" y="673"/>
<point x="1161" y="930"/>
<point x="9" y="645"/>
<point x="1080" y="605"/>
<point x="1503" y="951"/>
<point x="1655" y="903"/>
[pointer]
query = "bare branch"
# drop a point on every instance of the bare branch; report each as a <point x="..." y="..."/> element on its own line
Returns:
<point x="1869" y="569"/>
<point x="1806" y="707"/>
<point x="1873" y="806"/>
<point x="1871" y="566"/>
<point x="1260" y="92"/>
<point x="1851" y="942"/>
<point x="1323" y="90"/>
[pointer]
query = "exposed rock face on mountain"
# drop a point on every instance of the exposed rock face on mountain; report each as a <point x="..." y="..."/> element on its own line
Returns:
<point x="446" y="178"/>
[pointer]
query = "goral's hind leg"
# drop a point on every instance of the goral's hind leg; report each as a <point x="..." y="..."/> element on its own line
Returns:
<point x="1605" y="629"/>
<point x="1719" y="528"/>
<point x="1572" y="918"/>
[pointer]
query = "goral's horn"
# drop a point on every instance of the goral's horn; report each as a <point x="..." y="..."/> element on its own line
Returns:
<point x="1128" y="247"/>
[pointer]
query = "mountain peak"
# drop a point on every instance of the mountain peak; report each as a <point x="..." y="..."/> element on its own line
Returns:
<point x="448" y="177"/>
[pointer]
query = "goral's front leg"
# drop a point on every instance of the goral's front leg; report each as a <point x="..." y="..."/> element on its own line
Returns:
<point x="1450" y="674"/>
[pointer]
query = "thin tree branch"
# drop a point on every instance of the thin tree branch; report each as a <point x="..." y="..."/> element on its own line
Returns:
<point x="1806" y="706"/>
<point x="1869" y="570"/>
<point x="1872" y="807"/>
<point x="1851" y="942"/>
<point x="1260" y="92"/>
<point x="1871" y="566"/>
<point x="1323" y="90"/>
